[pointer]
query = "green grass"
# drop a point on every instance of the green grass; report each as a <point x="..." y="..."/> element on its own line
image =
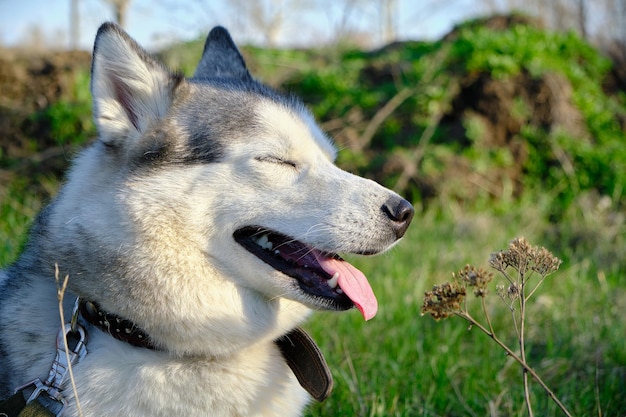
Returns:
<point x="18" y="207"/>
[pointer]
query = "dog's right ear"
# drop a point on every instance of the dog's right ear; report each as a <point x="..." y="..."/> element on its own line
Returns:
<point x="221" y="58"/>
<point x="130" y="89"/>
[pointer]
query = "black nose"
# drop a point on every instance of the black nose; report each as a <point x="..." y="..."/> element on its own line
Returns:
<point x="400" y="212"/>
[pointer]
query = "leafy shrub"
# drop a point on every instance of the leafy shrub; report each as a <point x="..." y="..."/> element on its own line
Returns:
<point x="69" y="120"/>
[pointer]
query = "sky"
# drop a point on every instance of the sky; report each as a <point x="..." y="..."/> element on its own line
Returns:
<point x="154" y="23"/>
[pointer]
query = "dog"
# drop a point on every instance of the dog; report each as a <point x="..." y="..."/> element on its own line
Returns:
<point x="207" y="218"/>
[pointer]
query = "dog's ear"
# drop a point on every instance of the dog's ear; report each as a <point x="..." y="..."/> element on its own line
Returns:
<point x="130" y="89"/>
<point x="221" y="58"/>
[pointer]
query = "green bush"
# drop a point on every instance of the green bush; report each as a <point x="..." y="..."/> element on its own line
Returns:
<point x="69" y="120"/>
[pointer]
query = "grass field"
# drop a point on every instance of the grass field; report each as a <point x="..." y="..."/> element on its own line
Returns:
<point x="404" y="364"/>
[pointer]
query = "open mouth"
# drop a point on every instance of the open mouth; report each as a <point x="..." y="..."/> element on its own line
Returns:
<point x="322" y="275"/>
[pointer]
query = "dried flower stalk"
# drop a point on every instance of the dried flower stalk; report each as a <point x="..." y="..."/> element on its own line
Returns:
<point x="527" y="262"/>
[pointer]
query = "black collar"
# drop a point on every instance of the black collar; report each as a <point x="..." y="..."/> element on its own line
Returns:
<point x="298" y="348"/>
<point x="119" y="328"/>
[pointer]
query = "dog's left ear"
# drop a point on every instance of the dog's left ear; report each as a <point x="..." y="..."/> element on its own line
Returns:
<point x="130" y="89"/>
<point x="221" y="58"/>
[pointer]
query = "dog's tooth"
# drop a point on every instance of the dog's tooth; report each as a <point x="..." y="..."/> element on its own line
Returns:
<point x="339" y="290"/>
<point x="262" y="241"/>
<point x="333" y="281"/>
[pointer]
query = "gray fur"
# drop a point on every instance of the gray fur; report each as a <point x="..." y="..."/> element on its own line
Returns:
<point x="221" y="58"/>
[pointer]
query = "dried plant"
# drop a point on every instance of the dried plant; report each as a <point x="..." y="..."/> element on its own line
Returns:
<point x="524" y="268"/>
<point x="61" y="288"/>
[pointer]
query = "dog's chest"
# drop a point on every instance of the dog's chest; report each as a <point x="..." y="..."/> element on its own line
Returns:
<point x="119" y="380"/>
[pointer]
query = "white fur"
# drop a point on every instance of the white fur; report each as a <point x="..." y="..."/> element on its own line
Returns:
<point x="116" y="69"/>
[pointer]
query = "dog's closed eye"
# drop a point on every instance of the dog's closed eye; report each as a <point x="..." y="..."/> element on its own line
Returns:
<point x="276" y="160"/>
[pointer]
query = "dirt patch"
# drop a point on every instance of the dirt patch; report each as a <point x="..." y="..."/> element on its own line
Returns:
<point x="30" y="83"/>
<point x="502" y="108"/>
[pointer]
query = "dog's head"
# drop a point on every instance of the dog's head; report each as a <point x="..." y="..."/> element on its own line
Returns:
<point x="217" y="198"/>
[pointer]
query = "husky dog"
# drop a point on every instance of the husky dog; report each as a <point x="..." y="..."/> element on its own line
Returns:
<point x="209" y="215"/>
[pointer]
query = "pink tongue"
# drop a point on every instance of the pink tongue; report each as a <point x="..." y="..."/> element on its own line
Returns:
<point x="353" y="283"/>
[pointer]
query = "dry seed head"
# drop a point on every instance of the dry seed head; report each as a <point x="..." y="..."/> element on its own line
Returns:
<point x="497" y="261"/>
<point x="521" y="256"/>
<point x="518" y="254"/>
<point x="501" y="291"/>
<point x="512" y="291"/>
<point x="544" y="263"/>
<point x="444" y="300"/>
<point x="477" y="278"/>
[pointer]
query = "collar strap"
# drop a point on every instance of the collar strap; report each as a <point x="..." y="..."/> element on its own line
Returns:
<point x="119" y="328"/>
<point x="301" y="353"/>
<point x="307" y="362"/>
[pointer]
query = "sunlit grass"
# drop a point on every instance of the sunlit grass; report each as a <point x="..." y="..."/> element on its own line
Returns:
<point x="18" y="208"/>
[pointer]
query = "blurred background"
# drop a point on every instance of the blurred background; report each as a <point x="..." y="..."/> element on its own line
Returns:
<point x="72" y="24"/>
<point x="497" y="118"/>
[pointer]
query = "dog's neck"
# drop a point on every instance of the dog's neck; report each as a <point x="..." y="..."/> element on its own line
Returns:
<point x="299" y="350"/>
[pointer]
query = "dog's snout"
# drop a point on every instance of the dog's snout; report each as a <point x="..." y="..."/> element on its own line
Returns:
<point x="400" y="212"/>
